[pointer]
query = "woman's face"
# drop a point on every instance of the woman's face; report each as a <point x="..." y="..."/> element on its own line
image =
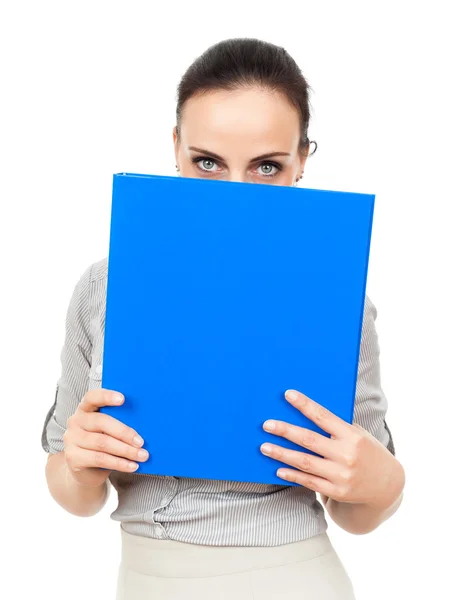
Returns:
<point x="248" y="135"/>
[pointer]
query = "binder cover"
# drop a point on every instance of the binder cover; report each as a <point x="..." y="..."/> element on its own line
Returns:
<point x="221" y="296"/>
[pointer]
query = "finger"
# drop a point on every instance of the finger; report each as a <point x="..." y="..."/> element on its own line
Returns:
<point x="312" y="440"/>
<point x="101" y="423"/>
<point x="100" y="442"/>
<point x="308" y="463"/>
<point x="317" y="484"/>
<point x="318" y="414"/>
<point x="95" y="399"/>
<point x="83" y="459"/>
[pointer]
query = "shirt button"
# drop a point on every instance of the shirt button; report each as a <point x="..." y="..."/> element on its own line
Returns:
<point x="99" y="369"/>
<point x="159" y="533"/>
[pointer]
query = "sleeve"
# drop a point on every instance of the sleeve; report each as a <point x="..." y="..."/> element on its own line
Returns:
<point x="75" y="358"/>
<point x="370" y="402"/>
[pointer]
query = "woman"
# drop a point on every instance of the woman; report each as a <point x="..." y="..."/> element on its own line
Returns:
<point x="242" y="115"/>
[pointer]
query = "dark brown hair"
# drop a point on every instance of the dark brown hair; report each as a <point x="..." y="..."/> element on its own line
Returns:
<point x="242" y="62"/>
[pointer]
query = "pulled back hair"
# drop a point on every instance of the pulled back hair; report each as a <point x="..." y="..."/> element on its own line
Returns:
<point x="243" y="62"/>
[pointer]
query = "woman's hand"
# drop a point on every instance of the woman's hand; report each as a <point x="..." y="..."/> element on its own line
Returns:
<point x="96" y="443"/>
<point x="353" y="466"/>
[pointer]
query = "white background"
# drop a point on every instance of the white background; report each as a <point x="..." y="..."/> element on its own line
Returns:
<point x="88" y="89"/>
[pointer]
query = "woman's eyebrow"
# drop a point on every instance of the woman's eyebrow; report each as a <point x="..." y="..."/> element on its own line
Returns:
<point x="260" y="157"/>
<point x="270" y="155"/>
<point x="207" y="152"/>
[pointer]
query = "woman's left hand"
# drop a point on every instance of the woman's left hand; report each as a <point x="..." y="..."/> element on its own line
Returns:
<point x="353" y="465"/>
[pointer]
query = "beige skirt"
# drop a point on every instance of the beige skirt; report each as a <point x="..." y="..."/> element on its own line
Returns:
<point x="168" y="570"/>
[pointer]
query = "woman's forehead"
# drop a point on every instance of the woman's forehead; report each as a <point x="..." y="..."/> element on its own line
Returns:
<point x="255" y="117"/>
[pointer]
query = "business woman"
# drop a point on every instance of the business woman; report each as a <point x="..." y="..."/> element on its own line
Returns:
<point x="242" y="115"/>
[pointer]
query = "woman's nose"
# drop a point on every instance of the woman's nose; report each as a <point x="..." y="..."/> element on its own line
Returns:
<point x="239" y="177"/>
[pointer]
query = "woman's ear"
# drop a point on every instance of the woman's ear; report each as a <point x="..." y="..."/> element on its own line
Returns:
<point x="175" y="142"/>
<point x="301" y="167"/>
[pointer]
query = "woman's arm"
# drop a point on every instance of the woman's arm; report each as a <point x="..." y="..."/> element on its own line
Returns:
<point x="68" y="493"/>
<point x="370" y="413"/>
<point x="84" y="444"/>
<point x="72" y="386"/>
<point x="94" y="445"/>
<point x="355" y="470"/>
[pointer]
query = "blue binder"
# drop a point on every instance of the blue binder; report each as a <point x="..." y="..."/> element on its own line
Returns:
<point x="220" y="296"/>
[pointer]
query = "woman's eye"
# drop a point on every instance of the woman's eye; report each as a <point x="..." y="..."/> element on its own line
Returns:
<point x="267" y="170"/>
<point x="206" y="164"/>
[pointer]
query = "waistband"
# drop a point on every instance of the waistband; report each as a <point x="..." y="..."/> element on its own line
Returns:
<point x="168" y="558"/>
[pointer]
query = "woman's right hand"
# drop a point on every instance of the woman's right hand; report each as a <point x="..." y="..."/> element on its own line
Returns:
<point x="96" y="444"/>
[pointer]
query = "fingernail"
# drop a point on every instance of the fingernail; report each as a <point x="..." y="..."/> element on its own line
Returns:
<point x="269" y="425"/>
<point x="266" y="449"/>
<point x="133" y="466"/>
<point x="143" y="454"/>
<point x="291" y="395"/>
<point x="118" y="398"/>
<point x="137" y="440"/>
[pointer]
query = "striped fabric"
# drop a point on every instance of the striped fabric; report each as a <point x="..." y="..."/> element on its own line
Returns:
<point x="217" y="513"/>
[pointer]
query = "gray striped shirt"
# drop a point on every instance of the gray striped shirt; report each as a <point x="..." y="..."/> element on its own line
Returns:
<point x="218" y="513"/>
